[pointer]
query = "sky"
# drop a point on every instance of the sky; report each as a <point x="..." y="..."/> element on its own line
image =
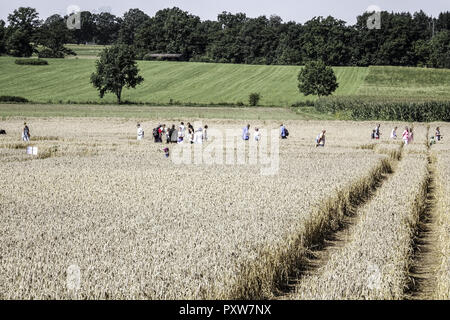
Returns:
<point x="289" y="10"/>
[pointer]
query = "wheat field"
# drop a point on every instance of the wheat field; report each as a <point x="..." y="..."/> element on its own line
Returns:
<point x="139" y="226"/>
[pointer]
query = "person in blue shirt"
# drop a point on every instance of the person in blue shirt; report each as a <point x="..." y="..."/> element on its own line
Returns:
<point x="283" y="132"/>
<point x="246" y="133"/>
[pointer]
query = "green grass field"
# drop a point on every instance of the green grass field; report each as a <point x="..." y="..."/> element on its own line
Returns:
<point x="67" y="80"/>
<point x="150" y="112"/>
<point x="86" y="51"/>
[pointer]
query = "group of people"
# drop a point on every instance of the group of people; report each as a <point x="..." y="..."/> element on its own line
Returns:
<point x="407" y="135"/>
<point x="284" y="133"/>
<point x="163" y="133"/>
<point x="188" y="134"/>
<point x="437" y="136"/>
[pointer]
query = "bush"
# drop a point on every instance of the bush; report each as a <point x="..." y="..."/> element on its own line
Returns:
<point x="13" y="99"/>
<point x="49" y="53"/>
<point x="357" y="109"/>
<point x="254" y="98"/>
<point x="302" y="104"/>
<point x="31" y="62"/>
<point x="240" y="103"/>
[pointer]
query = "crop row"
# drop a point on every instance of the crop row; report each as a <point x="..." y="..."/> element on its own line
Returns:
<point x="443" y="216"/>
<point x="374" y="263"/>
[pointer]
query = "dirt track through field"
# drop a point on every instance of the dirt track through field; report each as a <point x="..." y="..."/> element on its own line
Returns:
<point x="320" y="255"/>
<point x="426" y="250"/>
<point x="425" y="263"/>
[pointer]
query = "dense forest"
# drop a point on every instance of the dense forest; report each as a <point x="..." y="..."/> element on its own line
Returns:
<point x="403" y="40"/>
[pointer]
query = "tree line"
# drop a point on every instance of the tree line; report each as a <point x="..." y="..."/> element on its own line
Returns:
<point x="404" y="39"/>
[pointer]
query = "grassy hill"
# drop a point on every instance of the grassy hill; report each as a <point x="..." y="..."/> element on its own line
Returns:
<point x="67" y="80"/>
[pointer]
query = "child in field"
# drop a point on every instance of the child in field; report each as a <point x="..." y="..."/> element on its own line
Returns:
<point x="432" y="141"/>
<point x="320" y="140"/>
<point x="166" y="152"/>
<point x="405" y="136"/>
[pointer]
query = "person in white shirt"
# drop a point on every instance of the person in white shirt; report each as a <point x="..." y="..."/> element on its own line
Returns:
<point x="140" y="132"/>
<point x="320" y="140"/>
<point x="405" y="136"/>
<point x="394" y="133"/>
<point x="257" y="134"/>
<point x="181" y="129"/>
<point x="198" y="136"/>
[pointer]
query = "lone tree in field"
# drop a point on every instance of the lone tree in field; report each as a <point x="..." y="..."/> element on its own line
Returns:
<point x="116" y="69"/>
<point x="318" y="79"/>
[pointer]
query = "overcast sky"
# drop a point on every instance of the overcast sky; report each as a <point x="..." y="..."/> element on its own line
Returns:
<point x="296" y="10"/>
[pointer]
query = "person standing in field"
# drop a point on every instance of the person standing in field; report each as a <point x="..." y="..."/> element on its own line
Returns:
<point x="377" y="132"/>
<point x="283" y="132"/>
<point x="438" y="134"/>
<point x="174" y="135"/>
<point x="320" y="140"/>
<point x="410" y="135"/>
<point x="191" y="135"/>
<point x="181" y="130"/>
<point x="140" y="132"/>
<point x="198" y="136"/>
<point x="161" y="131"/>
<point x="167" y="133"/>
<point x="257" y="134"/>
<point x="246" y="133"/>
<point x="205" y="133"/>
<point x="26" y="133"/>
<point x="405" y="136"/>
<point x="394" y="133"/>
